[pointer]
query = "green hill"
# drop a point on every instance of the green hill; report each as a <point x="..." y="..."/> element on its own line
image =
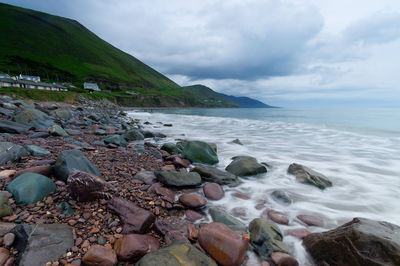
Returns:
<point x="209" y="97"/>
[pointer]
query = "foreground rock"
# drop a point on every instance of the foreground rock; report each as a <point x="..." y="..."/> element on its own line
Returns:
<point x="134" y="246"/>
<point x="88" y="187"/>
<point x="36" y="150"/>
<point x="5" y="208"/>
<point x="10" y="152"/>
<point x="133" y="135"/>
<point x="224" y="245"/>
<point x="30" y="188"/>
<point x="221" y="216"/>
<point x="72" y="160"/>
<point x="359" y="242"/>
<point x="213" y="191"/>
<point x="192" y="200"/>
<point x="213" y="174"/>
<point x="306" y="175"/>
<point x="200" y="152"/>
<point x="178" y="179"/>
<point x="134" y="218"/>
<point x="40" y="243"/>
<point x="12" y="127"/>
<point x="33" y="118"/>
<point x="100" y="256"/>
<point x="245" y="166"/>
<point x="176" y="254"/>
<point x="116" y="140"/>
<point x="266" y="238"/>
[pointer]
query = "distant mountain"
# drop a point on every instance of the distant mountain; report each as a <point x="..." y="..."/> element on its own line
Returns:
<point x="246" y="102"/>
<point x="208" y="97"/>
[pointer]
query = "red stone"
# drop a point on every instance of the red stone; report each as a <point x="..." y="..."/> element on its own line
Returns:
<point x="213" y="191"/>
<point x="299" y="232"/>
<point x="277" y="217"/>
<point x="135" y="246"/>
<point x="101" y="256"/>
<point x="192" y="200"/>
<point x="193" y="215"/>
<point x="311" y="220"/>
<point x="45" y="170"/>
<point x="241" y="196"/>
<point x="166" y="193"/>
<point x="175" y="235"/>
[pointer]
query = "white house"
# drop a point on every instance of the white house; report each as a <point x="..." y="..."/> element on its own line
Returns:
<point x="31" y="78"/>
<point x="91" y="86"/>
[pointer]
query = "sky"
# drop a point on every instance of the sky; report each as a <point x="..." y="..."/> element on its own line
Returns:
<point x="282" y="52"/>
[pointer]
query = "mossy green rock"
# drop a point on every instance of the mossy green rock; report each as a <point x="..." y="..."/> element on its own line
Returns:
<point x="171" y="148"/>
<point x="132" y="135"/>
<point x="200" y="152"/>
<point x="245" y="166"/>
<point x="36" y="150"/>
<point x="177" y="254"/>
<point x="115" y="139"/>
<point x="5" y="208"/>
<point x="56" y="130"/>
<point x="30" y="188"/>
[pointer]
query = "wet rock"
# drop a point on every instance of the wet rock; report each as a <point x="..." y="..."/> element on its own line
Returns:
<point x="7" y="126"/>
<point x="237" y="141"/>
<point x="133" y="135"/>
<point x="306" y="175"/>
<point x="36" y="135"/>
<point x="200" y="152"/>
<point x="281" y="197"/>
<point x="5" y="208"/>
<point x="30" y="188"/>
<point x="88" y="187"/>
<point x="221" y="216"/>
<point x="193" y="215"/>
<point x="56" y="130"/>
<point x="62" y="113"/>
<point x="277" y="217"/>
<point x="176" y="254"/>
<point x="213" y="191"/>
<point x="358" y="242"/>
<point x="116" y="140"/>
<point x="6" y="112"/>
<point x="311" y="220"/>
<point x="100" y="256"/>
<point x="8" y="240"/>
<point x="33" y="118"/>
<point x="213" y="174"/>
<point x="171" y="148"/>
<point x="45" y="170"/>
<point x="283" y="259"/>
<point x="166" y="193"/>
<point x="192" y="200"/>
<point x="4" y="256"/>
<point x="40" y="243"/>
<point x="245" y="166"/>
<point x="266" y="238"/>
<point x="178" y="179"/>
<point x="36" y="150"/>
<point x="173" y="236"/>
<point x="240" y="196"/>
<point x="134" y="218"/>
<point x="147" y="177"/>
<point x="222" y="244"/>
<point x="71" y="160"/>
<point x="10" y="152"/>
<point x="298" y="232"/>
<point x="134" y="246"/>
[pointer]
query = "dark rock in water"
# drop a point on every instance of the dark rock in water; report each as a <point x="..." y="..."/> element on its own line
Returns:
<point x="62" y="113"/>
<point x="222" y="244"/>
<point x="359" y="242"/>
<point x="237" y="141"/>
<point x="213" y="191"/>
<point x="36" y="150"/>
<point x="30" y="188"/>
<point x="71" y="160"/>
<point x="56" y="130"/>
<point x="176" y="254"/>
<point x="178" y="179"/>
<point x="167" y="125"/>
<point x="88" y="187"/>
<point x="171" y="148"/>
<point x="245" y="166"/>
<point x="116" y="140"/>
<point x="200" y="152"/>
<point x="33" y="118"/>
<point x="147" y="177"/>
<point x="133" y="135"/>
<point x="10" y="152"/>
<point x="134" y="218"/>
<point x="135" y="246"/>
<point x="99" y="255"/>
<point x="266" y="238"/>
<point x="5" y="208"/>
<point x="7" y="126"/>
<point x="281" y="197"/>
<point x="308" y="176"/>
<point x="147" y="134"/>
<point x="40" y="243"/>
<point x="213" y="174"/>
<point x="221" y="216"/>
<point x="192" y="200"/>
<point x="36" y="135"/>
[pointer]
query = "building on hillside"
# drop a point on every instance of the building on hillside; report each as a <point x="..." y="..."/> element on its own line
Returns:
<point x="4" y="75"/>
<point x="91" y="86"/>
<point x="28" y="82"/>
<point x="7" y="82"/>
<point x="30" y="78"/>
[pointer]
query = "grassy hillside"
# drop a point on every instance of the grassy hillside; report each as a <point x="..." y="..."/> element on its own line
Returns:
<point x="209" y="97"/>
<point x="246" y="102"/>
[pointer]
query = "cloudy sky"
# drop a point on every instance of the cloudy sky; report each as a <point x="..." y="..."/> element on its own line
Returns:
<point x="283" y="52"/>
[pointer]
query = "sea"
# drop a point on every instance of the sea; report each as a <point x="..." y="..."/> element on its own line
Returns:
<point x="357" y="148"/>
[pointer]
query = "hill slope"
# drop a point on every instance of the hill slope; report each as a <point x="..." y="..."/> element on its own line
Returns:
<point x="208" y="97"/>
<point x="246" y="102"/>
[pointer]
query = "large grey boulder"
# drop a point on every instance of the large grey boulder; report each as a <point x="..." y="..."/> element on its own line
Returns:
<point x="245" y="166"/>
<point x="306" y="175"/>
<point x="10" y="152"/>
<point x="62" y="113"/>
<point x="33" y="118"/>
<point x="41" y="243"/>
<point x="178" y="179"/>
<point x="56" y="130"/>
<point x="213" y="174"/>
<point x="115" y="139"/>
<point x="221" y="216"/>
<point x="71" y="160"/>
<point x="133" y="134"/>
<point x="7" y="126"/>
<point x="200" y="152"/>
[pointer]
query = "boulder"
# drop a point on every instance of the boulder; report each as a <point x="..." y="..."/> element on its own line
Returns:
<point x="306" y="175"/>
<point x="298" y="232"/>
<point x="311" y="220"/>
<point x="10" y="152"/>
<point x="176" y="254"/>
<point x="133" y="135"/>
<point x="56" y="130"/>
<point x="41" y="243"/>
<point x="358" y="242"/>
<point x="88" y="187"/>
<point x="116" y="140"/>
<point x="35" y="150"/>
<point x="245" y="166"/>
<point x="7" y="126"/>
<point x="134" y="218"/>
<point x="221" y="216"/>
<point x="178" y="179"/>
<point x="62" y="113"/>
<point x="134" y="246"/>
<point x="5" y="208"/>
<point x="192" y="200"/>
<point x="30" y="188"/>
<point x="213" y="174"/>
<point x="200" y="152"/>
<point x="193" y="216"/>
<point x="266" y="238"/>
<point x="171" y="148"/>
<point x="4" y="256"/>
<point x="39" y="134"/>
<point x="71" y="160"/>
<point x="213" y="191"/>
<point x="100" y="256"/>
<point x="147" y="177"/>
<point x="33" y="118"/>
<point x="222" y="244"/>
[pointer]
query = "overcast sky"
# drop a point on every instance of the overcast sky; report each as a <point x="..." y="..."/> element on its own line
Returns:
<point x="283" y="52"/>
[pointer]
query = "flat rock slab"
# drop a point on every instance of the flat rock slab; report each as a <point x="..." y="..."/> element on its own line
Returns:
<point x="178" y="179"/>
<point x="7" y="126"/>
<point x="306" y="175"/>
<point x="40" y="243"/>
<point x="213" y="174"/>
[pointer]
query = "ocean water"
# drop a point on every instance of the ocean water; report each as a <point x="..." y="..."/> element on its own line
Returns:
<point x="357" y="149"/>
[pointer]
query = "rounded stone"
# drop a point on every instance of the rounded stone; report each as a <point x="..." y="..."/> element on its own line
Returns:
<point x="213" y="191"/>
